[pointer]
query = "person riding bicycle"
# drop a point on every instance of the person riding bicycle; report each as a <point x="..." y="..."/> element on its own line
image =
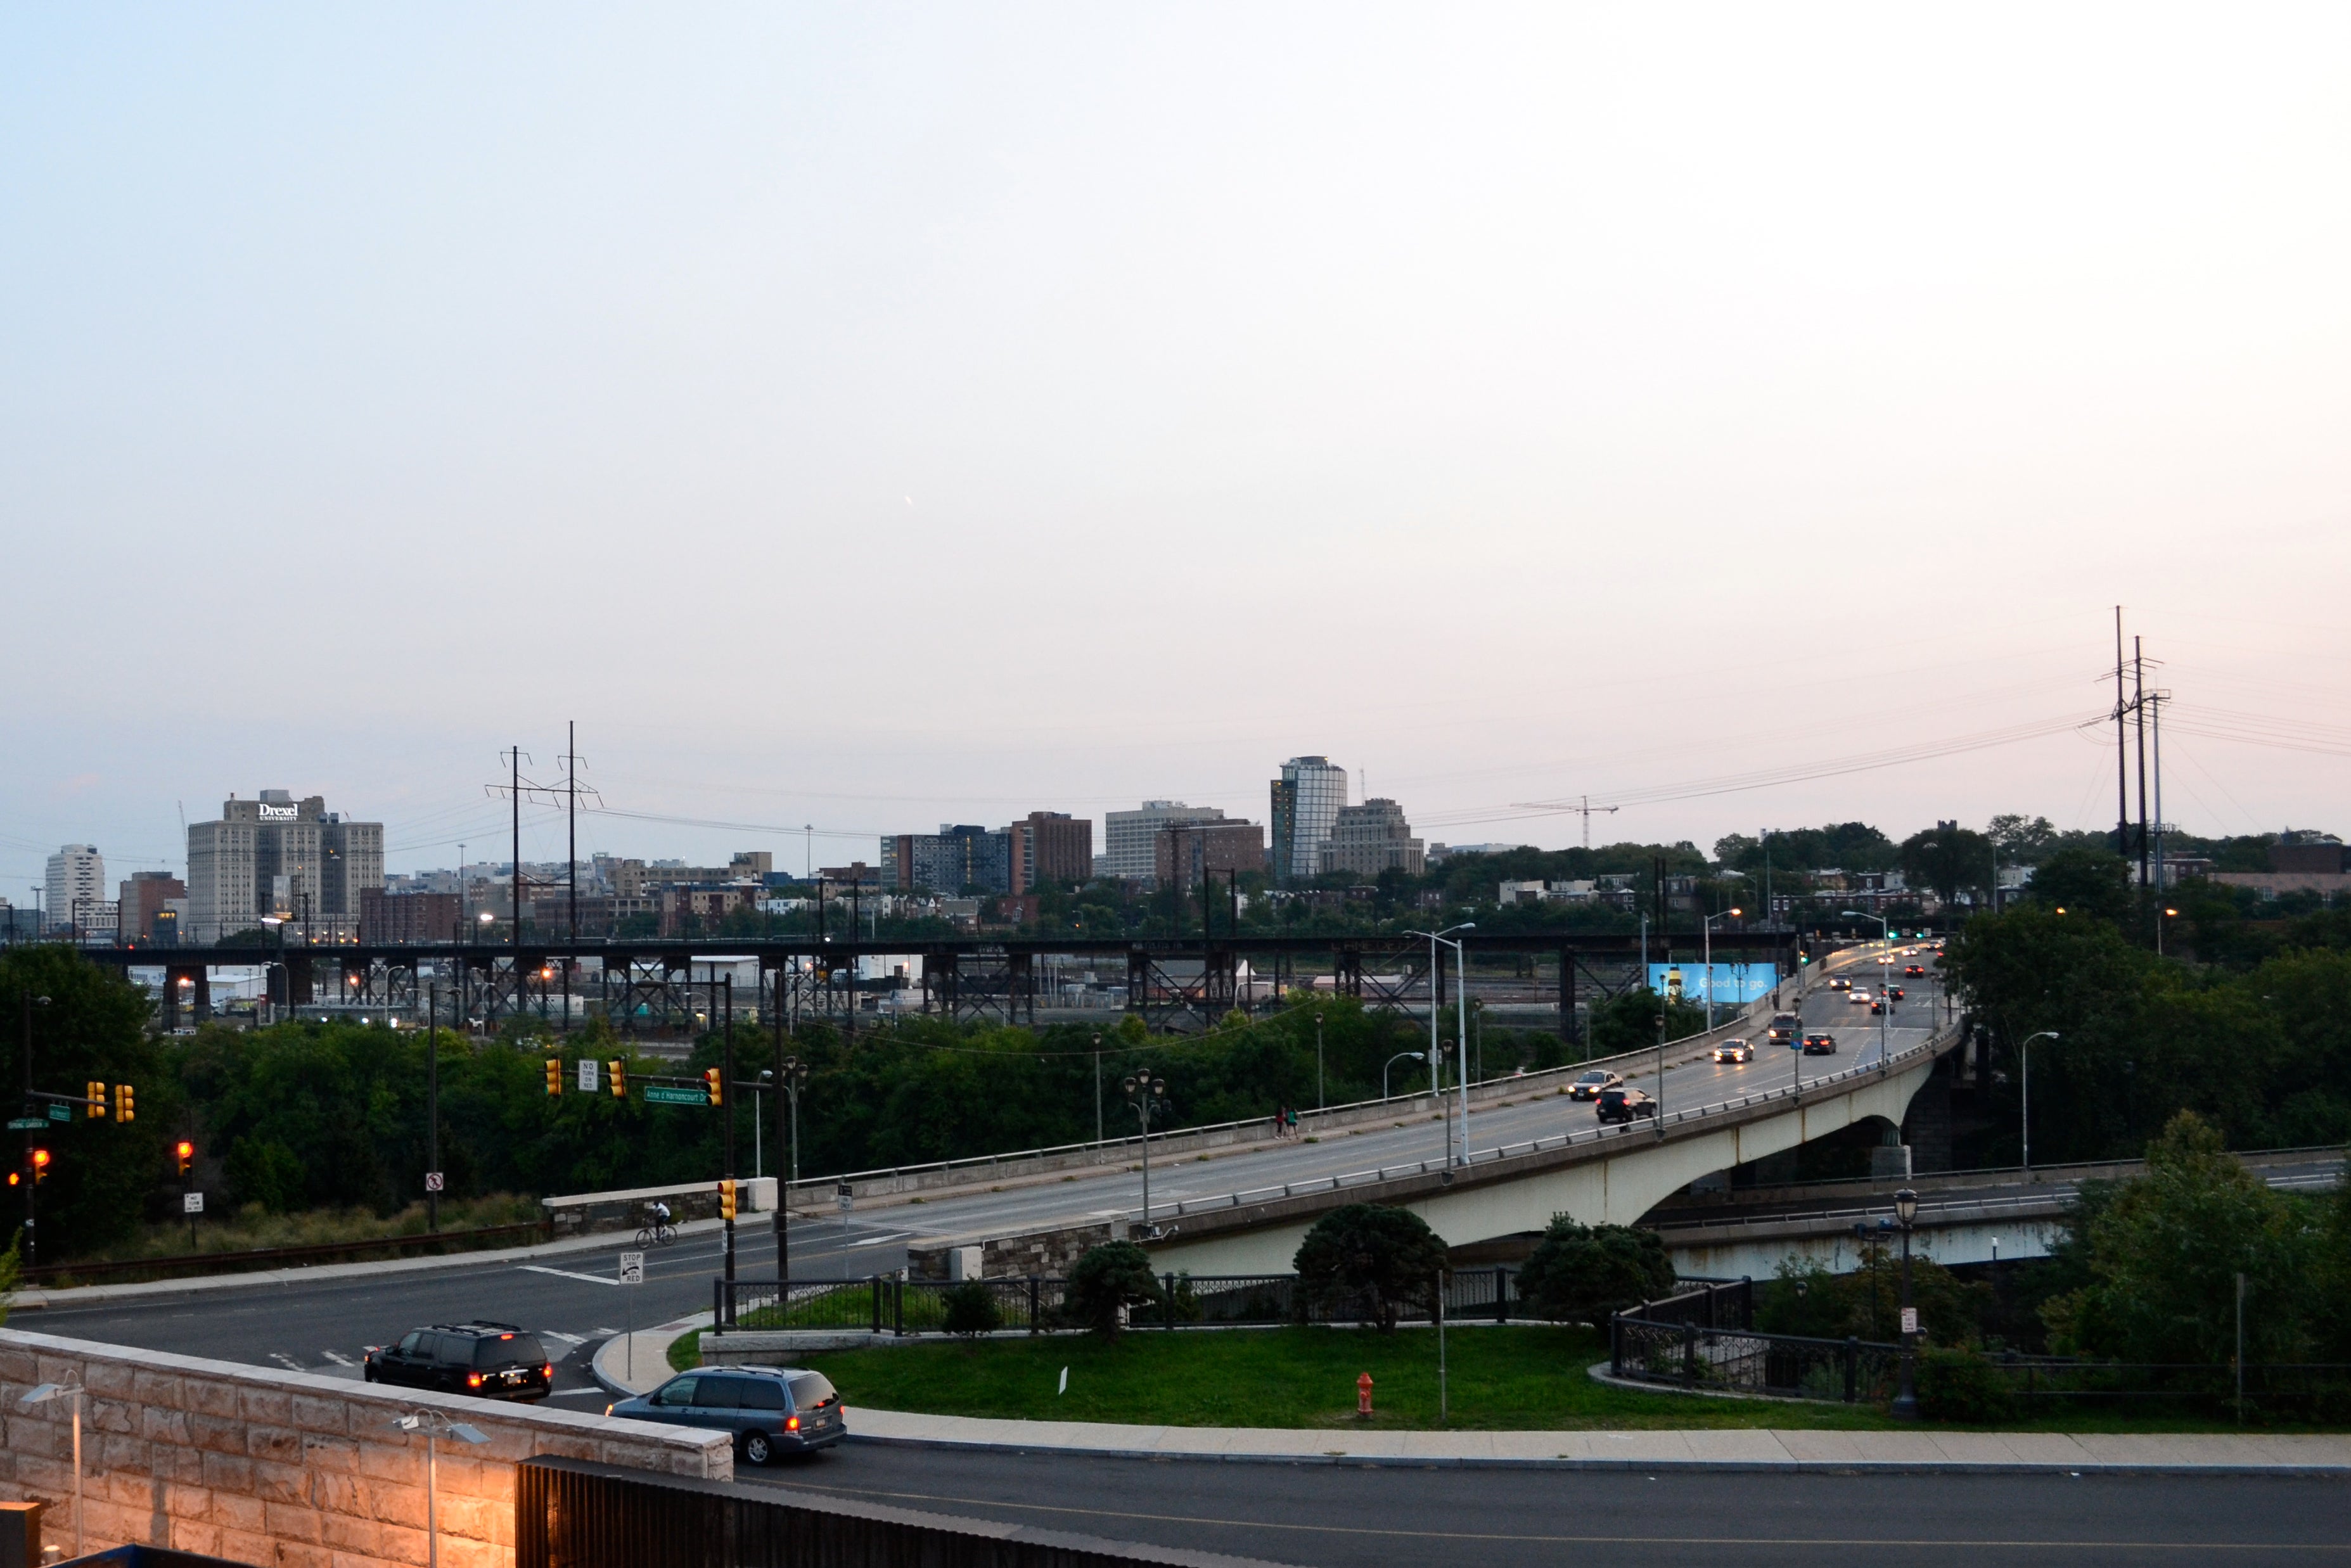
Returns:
<point x="660" y="1215"/>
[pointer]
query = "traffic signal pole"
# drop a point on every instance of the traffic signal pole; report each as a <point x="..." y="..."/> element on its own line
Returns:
<point x="32" y="1176"/>
<point x="783" y="1169"/>
<point x="726" y="1110"/>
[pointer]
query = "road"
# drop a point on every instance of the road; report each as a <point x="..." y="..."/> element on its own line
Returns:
<point x="1402" y="1518"/>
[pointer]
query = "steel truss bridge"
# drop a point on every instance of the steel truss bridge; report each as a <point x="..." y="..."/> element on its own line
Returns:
<point x="669" y="986"/>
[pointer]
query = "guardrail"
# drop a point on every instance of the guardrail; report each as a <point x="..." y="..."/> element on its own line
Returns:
<point x="1934" y="1045"/>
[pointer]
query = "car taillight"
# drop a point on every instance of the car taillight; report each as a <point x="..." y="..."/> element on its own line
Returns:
<point x="791" y="1423"/>
<point x="548" y="1372"/>
<point x="473" y="1380"/>
<point x="608" y="1409"/>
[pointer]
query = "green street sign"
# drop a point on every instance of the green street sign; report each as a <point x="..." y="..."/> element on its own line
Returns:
<point x="662" y="1094"/>
<point x="28" y="1124"/>
<point x="60" y="1112"/>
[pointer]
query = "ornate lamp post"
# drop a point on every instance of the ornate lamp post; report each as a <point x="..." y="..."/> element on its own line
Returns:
<point x="1145" y="1093"/>
<point x="1905" y="1401"/>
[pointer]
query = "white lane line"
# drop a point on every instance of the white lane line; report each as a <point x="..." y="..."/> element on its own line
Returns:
<point x="566" y="1274"/>
<point x="566" y="1338"/>
<point x="288" y="1362"/>
<point x="579" y="1393"/>
<point x="608" y="1332"/>
<point x="876" y="1241"/>
<point x="338" y="1360"/>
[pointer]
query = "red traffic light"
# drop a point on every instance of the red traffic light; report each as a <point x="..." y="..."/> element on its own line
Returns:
<point x="185" y="1148"/>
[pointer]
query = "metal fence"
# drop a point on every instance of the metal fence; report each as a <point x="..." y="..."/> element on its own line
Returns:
<point x="1741" y="1361"/>
<point x="571" y="1513"/>
<point x="884" y="1303"/>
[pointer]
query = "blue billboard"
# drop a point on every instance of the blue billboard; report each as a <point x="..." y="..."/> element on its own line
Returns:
<point x="1733" y="984"/>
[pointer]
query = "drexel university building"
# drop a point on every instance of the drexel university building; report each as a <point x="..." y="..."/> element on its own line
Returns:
<point x="277" y="858"/>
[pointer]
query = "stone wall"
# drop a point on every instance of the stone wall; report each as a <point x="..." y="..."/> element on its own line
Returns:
<point x="1045" y="1252"/>
<point x="586" y="1212"/>
<point x="287" y="1468"/>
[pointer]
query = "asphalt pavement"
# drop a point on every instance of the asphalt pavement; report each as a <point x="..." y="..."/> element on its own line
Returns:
<point x="1397" y="1518"/>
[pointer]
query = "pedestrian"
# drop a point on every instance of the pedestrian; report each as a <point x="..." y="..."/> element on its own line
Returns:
<point x="1281" y="1121"/>
<point x="1293" y="1121"/>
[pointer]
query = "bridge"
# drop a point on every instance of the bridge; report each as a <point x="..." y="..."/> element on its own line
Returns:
<point x="1174" y="982"/>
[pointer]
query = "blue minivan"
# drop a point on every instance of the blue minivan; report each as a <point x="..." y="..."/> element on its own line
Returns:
<point x="771" y="1410"/>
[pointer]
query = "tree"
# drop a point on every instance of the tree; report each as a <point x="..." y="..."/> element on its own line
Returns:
<point x="1107" y="1282"/>
<point x="1947" y="859"/>
<point x="2086" y="884"/>
<point x="2021" y="840"/>
<point x="1628" y="1021"/>
<point x="1580" y="1273"/>
<point x="971" y="1309"/>
<point x="2164" y="1253"/>
<point x="11" y="1267"/>
<point x="1370" y="1250"/>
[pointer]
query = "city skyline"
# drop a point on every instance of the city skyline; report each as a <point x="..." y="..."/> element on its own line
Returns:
<point x="1574" y="405"/>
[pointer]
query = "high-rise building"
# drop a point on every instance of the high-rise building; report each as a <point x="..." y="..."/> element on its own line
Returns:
<point x="1050" y="846"/>
<point x="1369" y="839"/>
<point x="1186" y="851"/>
<point x="956" y="857"/>
<point x="76" y="886"/>
<point x="1307" y="800"/>
<point x="277" y="856"/>
<point x="144" y="897"/>
<point x="1131" y="838"/>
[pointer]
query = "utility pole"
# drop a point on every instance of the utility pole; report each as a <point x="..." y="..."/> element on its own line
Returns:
<point x="432" y="1108"/>
<point x="2122" y="754"/>
<point x="571" y="845"/>
<point x="515" y="799"/>
<point x="783" y="1169"/>
<point x="726" y="1110"/>
<point x="2138" y="714"/>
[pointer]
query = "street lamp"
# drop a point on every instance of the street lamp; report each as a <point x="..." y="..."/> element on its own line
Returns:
<point x="433" y="1424"/>
<point x="2024" y="1088"/>
<point x="1708" y="925"/>
<point x="42" y="1395"/>
<point x="1906" y="1402"/>
<point x="1399" y="1056"/>
<point x="1145" y="1093"/>
<point x="1885" y="967"/>
<point x="795" y="1075"/>
<point x="1098" y="1113"/>
<point x="1317" y="1062"/>
<point x="1461" y="1028"/>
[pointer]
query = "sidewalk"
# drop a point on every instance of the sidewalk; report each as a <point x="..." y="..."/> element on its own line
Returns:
<point x="1746" y="1449"/>
<point x="631" y="1363"/>
<point x="33" y="1299"/>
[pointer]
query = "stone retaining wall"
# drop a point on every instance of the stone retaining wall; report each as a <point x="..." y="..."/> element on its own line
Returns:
<point x="289" y="1468"/>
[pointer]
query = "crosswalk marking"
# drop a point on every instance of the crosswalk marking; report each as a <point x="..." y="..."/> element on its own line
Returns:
<point x="607" y="1333"/>
<point x="567" y="1274"/>
<point x="566" y="1338"/>
<point x="288" y="1362"/>
<point x="337" y="1358"/>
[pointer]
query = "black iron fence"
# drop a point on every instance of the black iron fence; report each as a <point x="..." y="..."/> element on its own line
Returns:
<point x="1688" y="1355"/>
<point x="571" y="1514"/>
<point x="884" y="1303"/>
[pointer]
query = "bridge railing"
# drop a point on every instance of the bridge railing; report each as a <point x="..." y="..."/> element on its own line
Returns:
<point x="1687" y="1354"/>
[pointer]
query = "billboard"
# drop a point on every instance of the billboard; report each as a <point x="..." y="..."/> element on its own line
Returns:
<point x="1733" y="984"/>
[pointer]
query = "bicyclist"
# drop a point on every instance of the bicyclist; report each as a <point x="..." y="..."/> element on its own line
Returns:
<point x="660" y="1215"/>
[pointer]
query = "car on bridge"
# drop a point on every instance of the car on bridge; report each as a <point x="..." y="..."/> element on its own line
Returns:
<point x="1735" y="1050"/>
<point x="1819" y="1042"/>
<point x="489" y="1361"/>
<point x="1593" y="1084"/>
<point x="1785" y="1029"/>
<point x="771" y="1410"/>
<point x="1914" y="971"/>
<point x="1623" y="1102"/>
<point x="1878" y="1006"/>
<point x="1894" y="993"/>
<point x="1840" y="983"/>
<point x="1859" y="996"/>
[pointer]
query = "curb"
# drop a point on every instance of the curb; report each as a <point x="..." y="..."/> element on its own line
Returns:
<point x="658" y="1348"/>
<point x="36" y="1300"/>
<point x="1683" y="1467"/>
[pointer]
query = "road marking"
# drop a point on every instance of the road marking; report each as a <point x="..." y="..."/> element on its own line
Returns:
<point x="566" y="1274"/>
<point x="566" y="1338"/>
<point x="288" y="1362"/>
<point x="876" y="1241"/>
<point x="579" y="1393"/>
<point x="338" y="1360"/>
<point x="608" y="1332"/>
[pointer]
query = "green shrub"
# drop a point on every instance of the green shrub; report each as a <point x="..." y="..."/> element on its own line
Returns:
<point x="1582" y="1273"/>
<point x="1105" y="1282"/>
<point x="971" y="1309"/>
<point x="1370" y="1250"/>
<point x="1961" y="1385"/>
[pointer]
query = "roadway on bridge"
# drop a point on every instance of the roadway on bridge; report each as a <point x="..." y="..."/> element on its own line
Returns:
<point x="1392" y="1517"/>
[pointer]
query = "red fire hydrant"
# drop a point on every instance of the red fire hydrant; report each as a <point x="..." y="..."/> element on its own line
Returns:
<point x="1364" y="1395"/>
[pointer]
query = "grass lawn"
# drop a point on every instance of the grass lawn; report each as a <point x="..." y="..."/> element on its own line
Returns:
<point x="1515" y="1378"/>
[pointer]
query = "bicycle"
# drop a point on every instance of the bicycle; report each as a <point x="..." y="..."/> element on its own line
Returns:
<point x="657" y="1236"/>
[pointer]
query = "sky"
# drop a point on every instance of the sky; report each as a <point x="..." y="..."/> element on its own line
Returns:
<point x="857" y="418"/>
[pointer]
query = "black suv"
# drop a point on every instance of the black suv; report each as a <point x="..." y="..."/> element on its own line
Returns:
<point x="1623" y="1103"/>
<point x="495" y="1361"/>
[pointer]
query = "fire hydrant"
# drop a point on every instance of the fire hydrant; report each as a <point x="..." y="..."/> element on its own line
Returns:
<point x="1364" y="1395"/>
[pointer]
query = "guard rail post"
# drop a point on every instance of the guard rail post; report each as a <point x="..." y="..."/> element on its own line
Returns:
<point x="1852" y="1370"/>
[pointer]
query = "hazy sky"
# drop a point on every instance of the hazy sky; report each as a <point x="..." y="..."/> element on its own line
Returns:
<point x="877" y="416"/>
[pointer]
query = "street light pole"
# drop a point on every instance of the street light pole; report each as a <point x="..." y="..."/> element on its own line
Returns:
<point x="1319" y="1099"/>
<point x="1399" y="1056"/>
<point x="1708" y="933"/>
<point x="1906" y="1402"/>
<point x="1098" y="1108"/>
<point x="1884" y="963"/>
<point x="32" y="1172"/>
<point x="1145" y="1092"/>
<point x="2024" y="1087"/>
<point x="1461" y="1026"/>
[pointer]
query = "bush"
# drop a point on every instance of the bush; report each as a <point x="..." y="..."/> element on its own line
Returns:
<point x="1580" y="1273"/>
<point x="268" y="1173"/>
<point x="1367" y="1248"/>
<point x="971" y="1309"/>
<point x="1961" y="1385"/>
<point x="1105" y="1282"/>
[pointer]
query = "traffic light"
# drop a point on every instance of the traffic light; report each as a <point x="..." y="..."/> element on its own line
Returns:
<point x="126" y="1107"/>
<point x="554" y="1076"/>
<point x="726" y="1200"/>
<point x="187" y="1153"/>
<point x="40" y="1164"/>
<point x="710" y="1082"/>
<point x="619" y="1073"/>
<point x="95" y="1092"/>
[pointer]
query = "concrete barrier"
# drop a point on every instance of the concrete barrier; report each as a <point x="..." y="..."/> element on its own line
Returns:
<point x="289" y="1468"/>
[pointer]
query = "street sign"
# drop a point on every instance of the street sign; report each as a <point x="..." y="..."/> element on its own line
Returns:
<point x="191" y="1203"/>
<point x="633" y="1268"/>
<point x="29" y="1123"/>
<point x="1909" y="1320"/>
<point x="433" y="1181"/>
<point x="842" y="1194"/>
<point x="588" y="1067"/>
<point x="665" y="1094"/>
<point x="60" y="1112"/>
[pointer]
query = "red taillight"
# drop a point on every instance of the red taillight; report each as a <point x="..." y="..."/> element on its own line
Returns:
<point x="473" y="1380"/>
<point x="791" y="1423"/>
<point x="549" y="1371"/>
